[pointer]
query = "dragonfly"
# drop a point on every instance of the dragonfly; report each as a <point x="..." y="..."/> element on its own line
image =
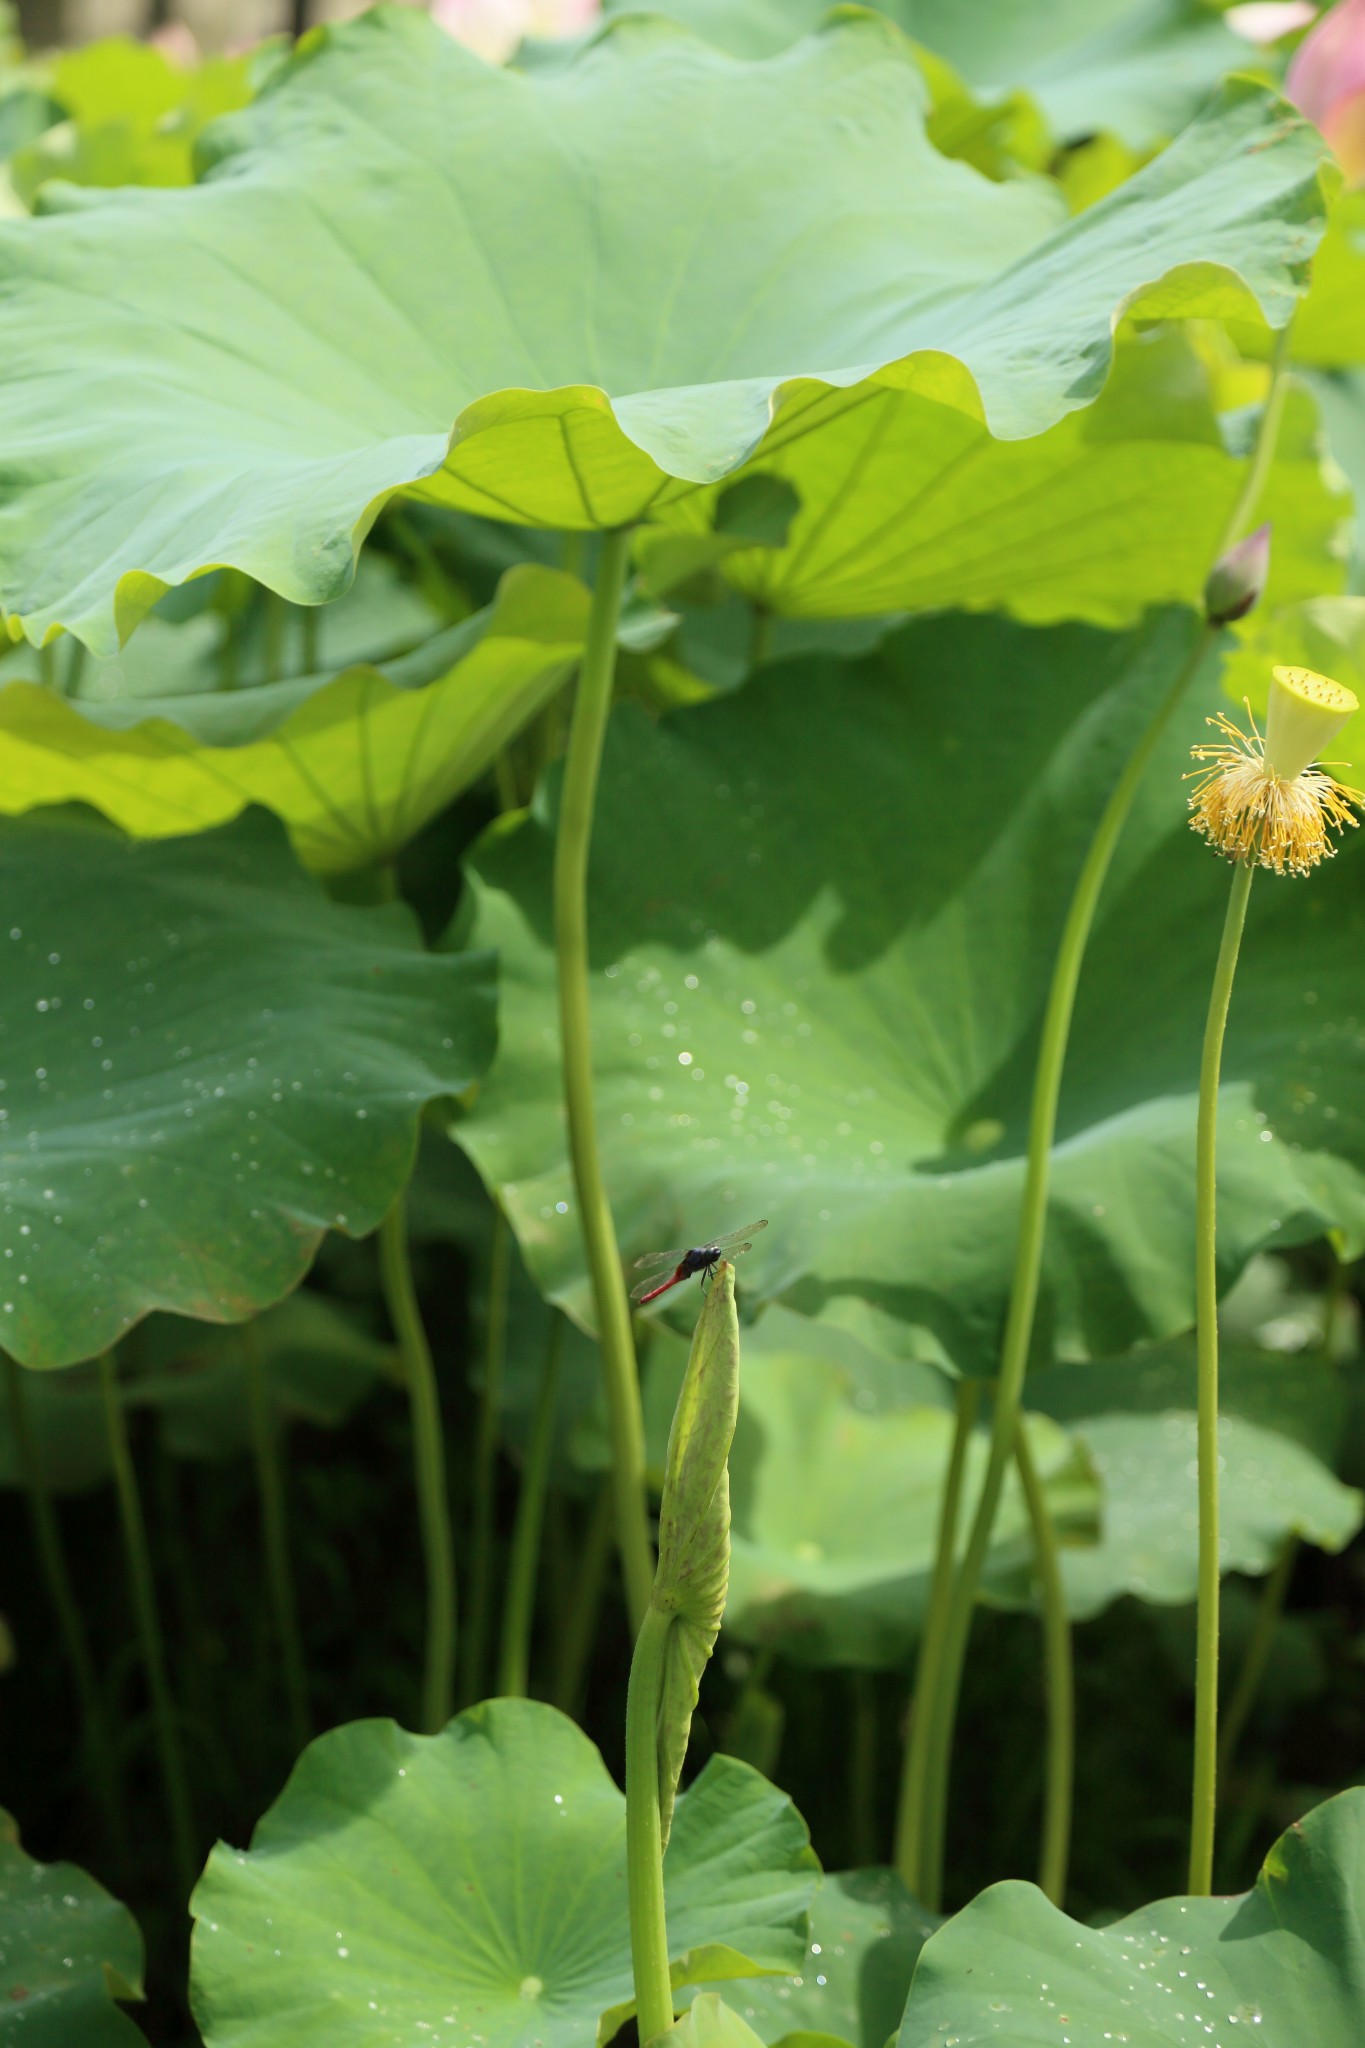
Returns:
<point x="687" y="1260"/>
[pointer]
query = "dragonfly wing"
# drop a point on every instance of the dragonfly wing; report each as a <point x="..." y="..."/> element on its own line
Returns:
<point x="738" y="1240"/>
<point x="654" y="1262"/>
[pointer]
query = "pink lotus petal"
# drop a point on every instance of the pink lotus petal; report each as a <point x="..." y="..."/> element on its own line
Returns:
<point x="493" y="28"/>
<point x="1329" y="64"/>
<point x="1344" y="129"/>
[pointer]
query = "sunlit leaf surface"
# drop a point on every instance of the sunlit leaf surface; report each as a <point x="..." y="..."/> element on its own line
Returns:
<point x="824" y="916"/>
<point x="354" y="763"/>
<point x="501" y="1845"/>
<point x="650" y="258"/>
<point x="1183" y="1972"/>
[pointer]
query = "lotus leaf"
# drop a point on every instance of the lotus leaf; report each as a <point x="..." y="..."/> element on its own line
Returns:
<point x="67" y="1951"/>
<point x="865" y="1934"/>
<point x="318" y="1365"/>
<point x="352" y="301"/>
<point x="132" y="116"/>
<point x="836" y="1511"/>
<point x="824" y="915"/>
<point x="1139" y="68"/>
<point x="476" y="1880"/>
<point x="909" y="504"/>
<point x="202" y="1077"/>
<point x="1189" y="1973"/>
<point x="355" y="764"/>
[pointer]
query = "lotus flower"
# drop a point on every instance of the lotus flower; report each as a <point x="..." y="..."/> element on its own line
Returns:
<point x="494" y="27"/>
<point x="1327" y="82"/>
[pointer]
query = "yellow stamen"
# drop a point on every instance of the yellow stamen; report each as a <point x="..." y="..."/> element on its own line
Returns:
<point x="1251" y="811"/>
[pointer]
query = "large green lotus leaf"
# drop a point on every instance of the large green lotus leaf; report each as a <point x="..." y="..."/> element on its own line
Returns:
<point x="1299" y="1395"/>
<point x="1183" y="1973"/>
<point x="825" y="911"/>
<point x="835" y="1511"/>
<point x="354" y="764"/>
<point x="207" y="1066"/>
<point x="318" y="1365"/>
<point x="1139" y="68"/>
<point x="1270" y="1489"/>
<point x="475" y="1881"/>
<point x="1340" y="396"/>
<point x="907" y="504"/>
<point x="648" y="257"/>
<point x="1280" y="1419"/>
<point x="1329" y="331"/>
<point x="67" y="1951"/>
<point x="1324" y="633"/>
<point x="133" y="115"/>
<point x="866" y="1932"/>
<point x="177" y="656"/>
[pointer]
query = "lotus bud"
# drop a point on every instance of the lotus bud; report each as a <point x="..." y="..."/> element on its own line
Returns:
<point x="1238" y="578"/>
<point x="694" y="1524"/>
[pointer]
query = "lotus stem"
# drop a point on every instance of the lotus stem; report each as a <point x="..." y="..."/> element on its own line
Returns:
<point x="1205" y="1790"/>
<point x="99" y="1754"/>
<point x="429" y="1465"/>
<point x="265" y="1450"/>
<point x="143" y="1588"/>
<point x="580" y="1623"/>
<point x="475" y="1645"/>
<point x="519" y="1604"/>
<point x="1061" y="1708"/>
<point x="912" y="1816"/>
<point x="578" y="794"/>
<point x="644" y="1844"/>
<point x="1269" y="1612"/>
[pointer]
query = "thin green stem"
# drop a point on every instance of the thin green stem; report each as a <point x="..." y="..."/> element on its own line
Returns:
<point x="47" y="664"/>
<point x="519" y="1603"/>
<point x="1061" y="1710"/>
<point x="1028" y="1261"/>
<point x="862" y="1771"/>
<point x="573" y="553"/>
<point x="1269" y="1610"/>
<point x="429" y="1465"/>
<point x="272" y="637"/>
<point x="75" y="666"/>
<point x="644" y="1847"/>
<point x="1205" y="1791"/>
<point x="592" y="707"/>
<point x="914" y="1794"/>
<point x="310" y="618"/>
<point x="265" y="1450"/>
<point x="149" y="1628"/>
<point x="47" y="1535"/>
<point x="1267" y="439"/>
<point x="505" y="781"/>
<point x="580" y="1623"/>
<point x="760" y="635"/>
<point x="1042" y="1127"/>
<point x="1333" y="1298"/>
<point x="474" y="1649"/>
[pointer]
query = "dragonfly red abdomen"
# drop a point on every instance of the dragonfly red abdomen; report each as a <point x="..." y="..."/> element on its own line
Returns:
<point x="690" y="1259"/>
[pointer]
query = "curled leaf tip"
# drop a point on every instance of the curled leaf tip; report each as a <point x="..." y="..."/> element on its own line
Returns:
<point x="694" y="1523"/>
